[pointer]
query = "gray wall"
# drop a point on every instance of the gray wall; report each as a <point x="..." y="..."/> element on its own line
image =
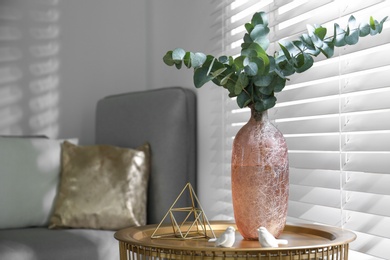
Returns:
<point x="58" y="58"/>
<point x="190" y="25"/>
<point x="103" y="53"/>
<point x="117" y="46"/>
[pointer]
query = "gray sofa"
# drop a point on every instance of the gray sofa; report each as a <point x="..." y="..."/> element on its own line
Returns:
<point x="166" y="119"/>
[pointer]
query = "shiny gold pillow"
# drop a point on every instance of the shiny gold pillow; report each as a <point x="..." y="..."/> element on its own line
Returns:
<point x="102" y="187"/>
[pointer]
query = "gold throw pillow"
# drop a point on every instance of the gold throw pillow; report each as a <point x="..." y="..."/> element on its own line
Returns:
<point x="102" y="187"/>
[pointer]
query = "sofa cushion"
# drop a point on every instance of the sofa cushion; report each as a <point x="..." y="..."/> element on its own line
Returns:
<point x="102" y="187"/>
<point x="29" y="176"/>
<point x="46" y="244"/>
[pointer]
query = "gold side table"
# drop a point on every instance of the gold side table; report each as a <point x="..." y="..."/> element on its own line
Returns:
<point x="306" y="242"/>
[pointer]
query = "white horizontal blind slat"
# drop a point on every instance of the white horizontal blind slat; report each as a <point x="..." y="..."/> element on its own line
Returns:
<point x="334" y="118"/>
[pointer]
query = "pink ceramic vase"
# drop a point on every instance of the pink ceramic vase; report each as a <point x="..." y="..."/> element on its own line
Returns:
<point x="260" y="177"/>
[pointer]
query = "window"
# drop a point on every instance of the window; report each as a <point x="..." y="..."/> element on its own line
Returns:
<point x="335" y="118"/>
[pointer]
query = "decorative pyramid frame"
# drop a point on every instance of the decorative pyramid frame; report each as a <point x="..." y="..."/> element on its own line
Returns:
<point x="196" y="229"/>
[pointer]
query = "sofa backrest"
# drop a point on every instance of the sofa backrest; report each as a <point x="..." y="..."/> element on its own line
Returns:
<point x="166" y="119"/>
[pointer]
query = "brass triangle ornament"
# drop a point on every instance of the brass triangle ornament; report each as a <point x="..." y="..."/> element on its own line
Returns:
<point x="198" y="228"/>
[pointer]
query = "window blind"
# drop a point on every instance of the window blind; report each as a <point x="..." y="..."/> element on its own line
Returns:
<point x="335" y="118"/>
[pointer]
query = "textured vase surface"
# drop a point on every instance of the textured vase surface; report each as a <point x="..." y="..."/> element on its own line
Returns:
<point x="260" y="177"/>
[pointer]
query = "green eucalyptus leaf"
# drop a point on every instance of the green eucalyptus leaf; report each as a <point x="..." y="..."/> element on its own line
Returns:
<point x="246" y="61"/>
<point x="310" y="29"/>
<point x="339" y="36"/>
<point x="279" y="73"/>
<point x="245" y="46"/>
<point x="304" y="62"/>
<point x="299" y="45"/>
<point x="223" y="59"/>
<point x="327" y="49"/>
<point x="259" y="34"/>
<point x="261" y="66"/>
<point x="249" y="53"/>
<point x="251" y="68"/>
<point x="187" y="59"/>
<point x="278" y="83"/>
<point x="285" y="68"/>
<point x="230" y="83"/>
<point x="231" y="60"/>
<point x="249" y="27"/>
<point x="264" y="63"/>
<point x="266" y="90"/>
<point x="241" y="83"/>
<point x="225" y="74"/>
<point x="289" y="50"/>
<point x="168" y="59"/>
<point x="260" y="18"/>
<point x="211" y="66"/>
<point x="198" y="59"/>
<point x="225" y="79"/>
<point x="256" y="47"/>
<point x="285" y="51"/>
<point x="381" y="24"/>
<point x="320" y="32"/>
<point x="231" y="86"/>
<point x="257" y="54"/>
<point x="237" y="89"/>
<point x="372" y="23"/>
<point x="217" y="72"/>
<point x="259" y="107"/>
<point x="269" y="102"/>
<point x="377" y="26"/>
<point x="178" y="64"/>
<point x="247" y="38"/>
<point x="239" y="62"/>
<point x="263" y="81"/>
<point x="178" y="54"/>
<point x="265" y="103"/>
<point x="374" y="32"/>
<point x="209" y="60"/>
<point x="309" y="46"/>
<point x="243" y="99"/>
<point x="306" y="40"/>
<point x="352" y="23"/>
<point x="353" y="37"/>
<point x="364" y="29"/>
<point x="352" y="34"/>
<point x="201" y="76"/>
<point x="271" y="64"/>
<point x="317" y="42"/>
<point x="314" y="52"/>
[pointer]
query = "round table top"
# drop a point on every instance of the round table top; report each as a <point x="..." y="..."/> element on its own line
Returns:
<point x="298" y="236"/>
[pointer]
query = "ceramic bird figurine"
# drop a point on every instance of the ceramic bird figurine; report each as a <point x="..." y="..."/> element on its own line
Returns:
<point x="226" y="239"/>
<point x="266" y="239"/>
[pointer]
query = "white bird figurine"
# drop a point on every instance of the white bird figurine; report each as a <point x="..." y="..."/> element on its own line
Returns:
<point x="266" y="239"/>
<point x="226" y="239"/>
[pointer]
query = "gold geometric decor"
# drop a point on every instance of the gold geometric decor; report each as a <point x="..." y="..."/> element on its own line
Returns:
<point x="195" y="224"/>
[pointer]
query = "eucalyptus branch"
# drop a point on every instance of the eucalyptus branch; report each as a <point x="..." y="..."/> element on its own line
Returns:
<point x="254" y="77"/>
